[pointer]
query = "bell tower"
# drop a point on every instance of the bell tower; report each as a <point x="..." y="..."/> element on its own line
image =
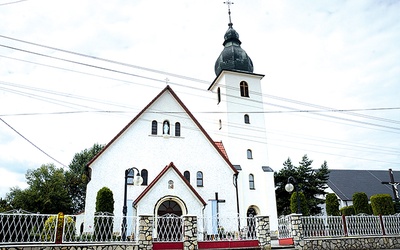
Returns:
<point x="240" y="120"/>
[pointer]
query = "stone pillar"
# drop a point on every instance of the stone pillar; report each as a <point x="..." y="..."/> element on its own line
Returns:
<point x="145" y="232"/>
<point x="190" y="232"/>
<point x="297" y="231"/>
<point x="263" y="232"/>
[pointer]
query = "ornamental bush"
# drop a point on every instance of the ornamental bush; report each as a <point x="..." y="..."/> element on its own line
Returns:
<point x="360" y="203"/>
<point x="103" y="223"/>
<point x="349" y="210"/>
<point x="332" y="204"/>
<point x="382" y="204"/>
<point x="303" y="203"/>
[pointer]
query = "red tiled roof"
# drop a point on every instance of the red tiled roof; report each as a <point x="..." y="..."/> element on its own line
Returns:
<point x="222" y="148"/>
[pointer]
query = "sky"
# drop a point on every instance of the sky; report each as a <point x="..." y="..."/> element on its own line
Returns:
<point x="74" y="73"/>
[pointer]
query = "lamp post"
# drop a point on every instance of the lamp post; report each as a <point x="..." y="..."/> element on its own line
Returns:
<point x="136" y="181"/>
<point x="289" y="187"/>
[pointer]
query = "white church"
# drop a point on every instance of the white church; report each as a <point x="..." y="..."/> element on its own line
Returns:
<point x="186" y="170"/>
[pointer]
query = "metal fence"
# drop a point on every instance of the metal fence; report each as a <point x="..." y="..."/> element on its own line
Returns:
<point x="226" y="228"/>
<point x="19" y="227"/>
<point x="22" y="227"/>
<point x="284" y="225"/>
<point x="355" y="225"/>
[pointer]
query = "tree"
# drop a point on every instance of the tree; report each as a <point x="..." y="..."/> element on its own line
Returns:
<point x="77" y="177"/>
<point x="312" y="183"/>
<point x="360" y="203"/>
<point x="332" y="204"/>
<point x="105" y="200"/>
<point x="4" y="205"/>
<point x="46" y="193"/>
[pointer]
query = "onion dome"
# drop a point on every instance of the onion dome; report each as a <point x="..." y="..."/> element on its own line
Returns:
<point x="233" y="57"/>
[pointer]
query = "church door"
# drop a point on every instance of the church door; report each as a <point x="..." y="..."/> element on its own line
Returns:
<point x="169" y="221"/>
<point x="251" y="223"/>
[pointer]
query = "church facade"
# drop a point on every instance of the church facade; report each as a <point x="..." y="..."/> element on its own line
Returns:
<point x="187" y="170"/>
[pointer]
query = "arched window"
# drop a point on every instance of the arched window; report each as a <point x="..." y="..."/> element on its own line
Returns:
<point x="177" y="129"/>
<point x="251" y="181"/>
<point x="144" y="175"/>
<point x="166" y="128"/>
<point x="186" y="174"/>
<point x="199" y="178"/>
<point x="246" y="119"/>
<point x="249" y="154"/>
<point x="154" y="127"/>
<point x="244" y="89"/>
<point x="219" y="95"/>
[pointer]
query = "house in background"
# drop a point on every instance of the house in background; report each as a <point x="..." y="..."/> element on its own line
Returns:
<point x="344" y="183"/>
<point x="187" y="170"/>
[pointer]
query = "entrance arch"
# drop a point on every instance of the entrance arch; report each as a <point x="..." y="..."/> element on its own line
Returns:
<point x="168" y="213"/>
<point x="251" y="213"/>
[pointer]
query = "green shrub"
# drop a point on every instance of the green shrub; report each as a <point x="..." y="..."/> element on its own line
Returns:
<point x="303" y="203"/>
<point x="103" y="223"/>
<point x="49" y="231"/>
<point x="382" y="204"/>
<point x="332" y="204"/>
<point x="360" y="203"/>
<point x="349" y="210"/>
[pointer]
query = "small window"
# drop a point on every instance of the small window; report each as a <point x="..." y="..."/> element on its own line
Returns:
<point x="154" y="127"/>
<point x="246" y="119"/>
<point x="144" y="175"/>
<point x="219" y="95"/>
<point x="251" y="182"/>
<point x="186" y="174"/>
<point x="199" y="179"/>
<point x="177" y="129"/>
<point x="244" y="89"/>
<point x="166" y="127"/>
<point x="249" y="154"/>
<point x="220" y="124"/>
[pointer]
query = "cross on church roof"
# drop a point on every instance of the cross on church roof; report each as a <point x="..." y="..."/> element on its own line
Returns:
<point x="229" y="3"/>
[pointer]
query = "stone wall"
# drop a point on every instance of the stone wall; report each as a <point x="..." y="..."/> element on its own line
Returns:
<point x="366" y="242"/>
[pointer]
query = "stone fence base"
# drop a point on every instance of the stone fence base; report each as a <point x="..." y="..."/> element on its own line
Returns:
<point x="366" y="242"/>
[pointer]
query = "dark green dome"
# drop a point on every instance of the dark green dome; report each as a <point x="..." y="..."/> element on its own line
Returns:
<point x="233" y="57"/>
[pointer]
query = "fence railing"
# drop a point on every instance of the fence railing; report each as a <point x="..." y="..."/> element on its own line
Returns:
<point x="22" y="227"/>
<point x="226" y="228"/>
<point x="19" y="227"/>
<point x="355" y="225"/>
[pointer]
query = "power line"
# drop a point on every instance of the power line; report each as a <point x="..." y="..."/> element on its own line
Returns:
<point x="41" y="150"/>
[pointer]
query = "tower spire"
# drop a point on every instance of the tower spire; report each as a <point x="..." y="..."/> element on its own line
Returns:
<point x="229" y="3"/>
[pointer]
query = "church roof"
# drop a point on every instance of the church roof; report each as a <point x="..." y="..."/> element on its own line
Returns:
<point x="154" y="182"/>
<point x="168" y="89"/>
<point x="347" y="182"/>
<point x="221" y="147"/>
<point x="233" y="57"/>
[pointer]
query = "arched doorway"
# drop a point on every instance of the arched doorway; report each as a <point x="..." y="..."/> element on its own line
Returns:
<point x="169" y="221"/>
<point x="251" y="222"/>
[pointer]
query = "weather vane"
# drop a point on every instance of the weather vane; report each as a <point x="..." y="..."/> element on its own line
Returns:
<point x="229" y="3"/>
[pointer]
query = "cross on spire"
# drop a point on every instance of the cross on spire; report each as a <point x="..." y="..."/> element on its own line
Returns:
<point x="229" y="3"/>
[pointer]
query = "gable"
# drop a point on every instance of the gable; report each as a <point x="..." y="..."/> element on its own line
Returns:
<point x="347" y="182"/>
<point x="157" y="107"/>
<point x="160" y="176"/>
